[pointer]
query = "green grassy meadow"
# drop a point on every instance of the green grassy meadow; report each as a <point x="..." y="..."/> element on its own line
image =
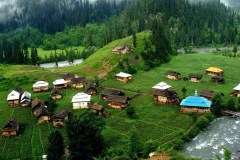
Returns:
<point x="159" y="123"/>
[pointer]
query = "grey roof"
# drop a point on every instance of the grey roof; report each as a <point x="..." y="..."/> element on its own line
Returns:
<point x="173" y="73"/>
<point x="109" y="92"/>
<point x="120" y="99"/>
<point x="11" y="124"/>
<point x="62" y="114"/>
<point x="191" y="75"/>
<point x="79" y="80"/>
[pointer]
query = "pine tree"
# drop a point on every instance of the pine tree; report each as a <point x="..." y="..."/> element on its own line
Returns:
<point x="55" y="146"/>
<point x="134" y="37"/>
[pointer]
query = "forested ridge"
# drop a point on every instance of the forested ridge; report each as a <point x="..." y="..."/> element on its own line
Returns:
<point x="82" y="23"/>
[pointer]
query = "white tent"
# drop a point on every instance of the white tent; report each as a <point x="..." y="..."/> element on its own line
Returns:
<point x="124" y="75"/>
<point x="162" y="86"/>
<point x="14" y="95"/>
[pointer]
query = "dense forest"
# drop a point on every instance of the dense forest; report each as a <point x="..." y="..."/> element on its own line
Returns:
<point x="57" y="24"/>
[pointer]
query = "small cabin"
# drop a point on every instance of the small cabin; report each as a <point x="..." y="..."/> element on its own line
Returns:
<point x="13" y="98"/>
<point x="173" y="75"/>
<point x="194" y="77"/>
<point x="81" y="100"/>
<point x="60" y="118"/>
<point x="55" y="94"/>
<point x="26" y="99"/>
<point x="162" y="86"/>
<point x="213" y="71"/>
<point x="120" y="49"/>
<point x="60" y="84"/>
<point x="10" y="128"/>
<point x="98" y="110"/>
<point x="111" y="92"/>
<point x="68" y="77"/>
<point x="218" y="79"/>
<point x="166" y="97"/>
<point x="40" y="86"/>
<point x="117" y="102"/>
<point x="195" y="104"/>
<point x="236" y="91"/>
<point x="124" y="77"/>
<point x="39" y="110"/>
<point x="78" y="82"/>
<point x="207" y="94"/>
<point x="91" y="89"/>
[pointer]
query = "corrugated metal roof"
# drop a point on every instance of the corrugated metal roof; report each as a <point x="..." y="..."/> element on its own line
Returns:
<point x="237" y="88"/>
<point x="122" y="74"/>
<point x="81" y="97"/>
<point x="162" y="86"/>
<point x="13" y="95"/>
<point x="59" y="82"/>
<point x="40" y="84"/>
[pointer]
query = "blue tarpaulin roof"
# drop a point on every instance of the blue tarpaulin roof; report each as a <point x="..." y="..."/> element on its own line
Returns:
<point x="194" y="101"/>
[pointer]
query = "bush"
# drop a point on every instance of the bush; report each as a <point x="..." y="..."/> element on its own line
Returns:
<point x="131" y="113"/>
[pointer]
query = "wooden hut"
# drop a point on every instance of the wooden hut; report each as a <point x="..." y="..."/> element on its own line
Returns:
<point x="218" y="79"/>
<point x="60" y="84"/>
<point x="40" y="86"/>
<point x="207" y="94"/>
<point x="120" y="49"/>
<point x="55" y="94"/>
<point x="236" y="91"/>
<point x="213" y="71"/>
<point x="162" y="86"/>
<point x="124" y="77"/>
<point x="26" y="99"/>
<point x="10" y="129"/>
<point x="39" y="109"/>
<point x="81" y="100"/>
<point x="195" y="104"/>
<point x="60" y="118"/>
<point x="117" y="102"/>
<point x="194" y="77"/>
<point x="98" y="110"/>
<point x="111" y="92"/>
<point x="68" y="77"/>
<point x="166" y="97"/>
<point x="13" y="98"/>
<point x="173" y="75"/>
<point x="79" y="82"/>
<point x="91" y="89"/>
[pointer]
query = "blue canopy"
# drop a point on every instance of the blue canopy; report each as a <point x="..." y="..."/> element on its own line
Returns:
<point x="194" y="101"/>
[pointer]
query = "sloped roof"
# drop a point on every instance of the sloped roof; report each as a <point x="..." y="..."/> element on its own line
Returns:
<point x="196" y="101"/>
<point x="113" y="92"/>
<point x="79" y="80"/>
<point x="11" y="124"/>
<point x="81" y="97"/>
<point x="59" y="82"/>
<point x="96" y="107"/>
<point x="237" y="88"/>
<point x="207" y="93"/>
<point x="37" y="102"/>
<point x="166" y="93"/>
<point x="18" y="89"/>
<point x="55" y="91"/>
<point x="214" y="69"/>
<point x="68" y="75"/>
<point x="90" y="86"/>
<point x="14" y="95"/>
<point x="162" y="86"/>
<point x="40" y="84"/>
<point x="42" y="111"/>
<point x="26" y="96"/>
<point x="192" y="75"/>
<point x="120" y="99"/>
<point x="124" y="75"/>
<point x="62" y="114"/>
<point x="218" y="78"/>
<point x="173" y="73"/>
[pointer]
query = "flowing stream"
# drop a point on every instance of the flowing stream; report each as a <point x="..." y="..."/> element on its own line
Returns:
<point x="61" y="64"/>
<point x="223" y="131"/>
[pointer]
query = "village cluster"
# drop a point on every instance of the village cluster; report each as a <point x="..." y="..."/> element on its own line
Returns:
<point x="162" y="93"/>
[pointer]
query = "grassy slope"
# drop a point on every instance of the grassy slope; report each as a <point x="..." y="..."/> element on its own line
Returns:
<point x="156" y="122"/>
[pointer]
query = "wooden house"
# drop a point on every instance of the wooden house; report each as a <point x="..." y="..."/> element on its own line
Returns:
<point x="194" y="77"/>
<point x="39" y="110"/>
<point x="111" y="92"/>
<point x="60" y="118"/>
<point x="124" y="77"/>
<point x="81" y="100"/>
<point x="213" y="71"/>
<point x="162" y="86"/>
<point x="236" y="91"/>
<point x="68" y="77"/>
<point x="173" y="75"/>
<point x="120" y="49"/>
<point x="207" y="94"/>
<point x="60" y="84"/>
<point x="55" y="94"/>
<point x="13" y="98"/>
<point x="98" y="110"/>
<point x="218" y="79"/>
<point x="91" y="89"/>
<point x="166" y="97"/>
<point x="79" y="82"/>
<point x="25" y="100"/>
<point x="117" y="102"/>
<point x="195" y="104"/>
<point x="40" y="86"/>
<point x="10" y="129"/>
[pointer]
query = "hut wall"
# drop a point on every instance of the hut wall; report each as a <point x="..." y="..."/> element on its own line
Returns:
<point x="9" y="133"/>
<point x="194" y="80"/>
<point x="80" y="105"/>
<point x="43" y="119"/>
<point x="13" y="102"/>
<point x="56" y="97"/>
<point x="194" y="110"/>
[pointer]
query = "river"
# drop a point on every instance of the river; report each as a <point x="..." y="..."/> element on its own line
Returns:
<point x="223" y="131"/>
<point x="61" y="64"/>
